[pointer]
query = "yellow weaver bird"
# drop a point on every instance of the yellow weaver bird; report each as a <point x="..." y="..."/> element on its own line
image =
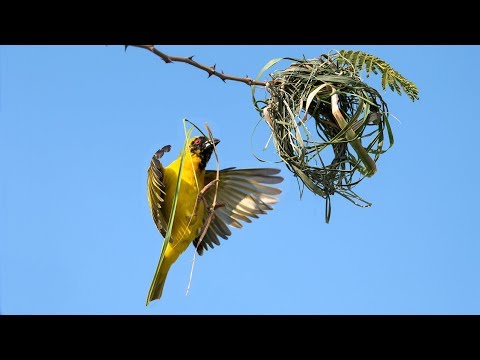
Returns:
<point x="241" y="195"/>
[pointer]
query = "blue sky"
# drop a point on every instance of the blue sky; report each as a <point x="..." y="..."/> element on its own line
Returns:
<point x="79" y="124"/>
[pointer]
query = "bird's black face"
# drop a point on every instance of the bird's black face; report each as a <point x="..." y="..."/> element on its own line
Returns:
<point x="203" y="148"/>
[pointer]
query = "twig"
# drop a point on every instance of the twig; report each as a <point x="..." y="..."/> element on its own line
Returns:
<point x="211" y="70"/>
<point x="200" y="197"/>
<point x="211" y="210"/>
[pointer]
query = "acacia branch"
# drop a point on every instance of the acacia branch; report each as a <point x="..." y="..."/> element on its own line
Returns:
<point x="211" y="70"/>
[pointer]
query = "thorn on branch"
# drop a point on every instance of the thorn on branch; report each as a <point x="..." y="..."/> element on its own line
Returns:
<point x="189" y="60"/>
<point x="126" y="48"/>
<point x="211" y="70"/>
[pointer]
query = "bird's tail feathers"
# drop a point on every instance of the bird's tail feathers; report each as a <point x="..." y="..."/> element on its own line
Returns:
<point x="156" y="288"/>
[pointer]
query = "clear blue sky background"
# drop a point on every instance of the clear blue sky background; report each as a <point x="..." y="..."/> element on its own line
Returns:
<point x="79" y="124"/>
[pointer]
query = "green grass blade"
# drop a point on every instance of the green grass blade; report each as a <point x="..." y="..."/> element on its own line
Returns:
<point x="260" y="73"/>
<point x="172" y="214"/>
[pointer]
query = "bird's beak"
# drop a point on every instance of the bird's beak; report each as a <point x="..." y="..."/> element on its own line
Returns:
<point x="209" y="143"/>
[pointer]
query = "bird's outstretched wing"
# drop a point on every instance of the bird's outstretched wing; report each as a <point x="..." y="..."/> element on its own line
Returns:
<point x="156" y="189"/>
<point x="242" y="195"/>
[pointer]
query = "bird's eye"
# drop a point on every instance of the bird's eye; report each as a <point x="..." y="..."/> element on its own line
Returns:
<point x="197" y="142"/>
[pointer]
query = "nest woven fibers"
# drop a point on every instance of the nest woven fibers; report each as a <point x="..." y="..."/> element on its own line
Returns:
<point x="328" y="126"/>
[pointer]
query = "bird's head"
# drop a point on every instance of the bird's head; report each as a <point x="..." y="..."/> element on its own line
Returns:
<point x="202" y="147"/>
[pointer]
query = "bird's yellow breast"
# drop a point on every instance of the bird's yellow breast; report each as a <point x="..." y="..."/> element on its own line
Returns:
<point x="187" y="220"/>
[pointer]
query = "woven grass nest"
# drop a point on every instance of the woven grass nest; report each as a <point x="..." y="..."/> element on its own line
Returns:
<point x="328" y="126"/>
